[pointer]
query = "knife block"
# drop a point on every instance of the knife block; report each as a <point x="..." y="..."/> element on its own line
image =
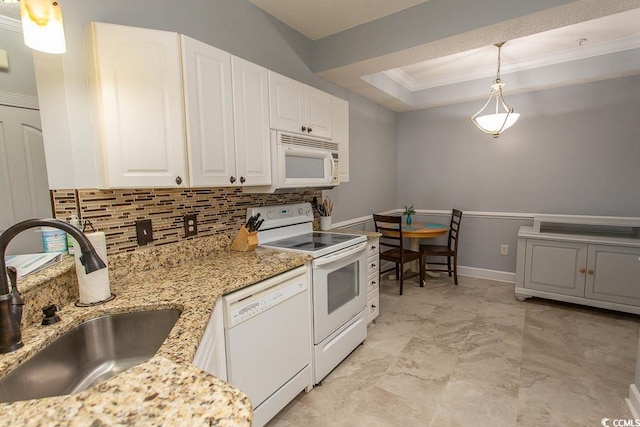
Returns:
<point x="245" y="241"/>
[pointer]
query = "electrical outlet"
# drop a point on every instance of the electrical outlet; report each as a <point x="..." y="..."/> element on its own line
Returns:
<point x="144" y="232"/>
<point x="504" y="249"/>
<point x="190" y="225"/>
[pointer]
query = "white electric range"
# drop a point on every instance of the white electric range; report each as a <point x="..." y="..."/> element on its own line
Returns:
<point x="338" y="284"/>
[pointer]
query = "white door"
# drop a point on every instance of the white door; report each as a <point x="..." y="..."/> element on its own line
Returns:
<point x="136" y="85"/>
<point x="318" y="112"/>
<point x="24" y="189"/>
<point x="251" y="121"/>
<point x="287" y="101"/>
<point x="209" y="113"/>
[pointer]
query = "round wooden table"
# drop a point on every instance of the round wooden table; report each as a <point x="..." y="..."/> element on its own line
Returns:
<point x="419" y="230"/>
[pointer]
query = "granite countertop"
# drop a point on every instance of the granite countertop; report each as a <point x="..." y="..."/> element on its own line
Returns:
<point x="370" y="234"/>
<point x="166" y="388"/>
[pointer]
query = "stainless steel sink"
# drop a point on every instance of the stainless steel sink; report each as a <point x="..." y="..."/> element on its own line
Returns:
<point x="89" y="353"/>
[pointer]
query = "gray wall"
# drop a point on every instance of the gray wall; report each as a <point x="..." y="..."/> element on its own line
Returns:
<point x="246" y="31"/>
<point x="20" y="77"/>
<point x="575" y="150"/>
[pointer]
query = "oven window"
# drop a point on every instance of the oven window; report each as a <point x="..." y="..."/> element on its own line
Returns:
<point x="342" y="286"/>
<point x="304" y="167"/>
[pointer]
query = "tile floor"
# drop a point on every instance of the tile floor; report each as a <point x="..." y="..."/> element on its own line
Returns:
<point x="471" y="355"/>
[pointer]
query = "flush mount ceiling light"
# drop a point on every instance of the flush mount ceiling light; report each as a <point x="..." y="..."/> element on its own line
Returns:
<point x="499" y="121"/>
<point x="42" y="25"/>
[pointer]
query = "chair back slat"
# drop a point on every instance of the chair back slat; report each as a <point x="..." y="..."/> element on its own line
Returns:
<point x="454" y="229"/>
<point x="391" y="229"/>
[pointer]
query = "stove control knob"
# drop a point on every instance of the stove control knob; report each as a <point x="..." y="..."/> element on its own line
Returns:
<point x="308" y="212"/>
<point x="300" y="211"/>
<point x="270" y="214"/>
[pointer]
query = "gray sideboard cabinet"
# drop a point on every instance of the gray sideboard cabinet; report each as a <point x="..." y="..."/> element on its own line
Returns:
<point x="592" y="261"/>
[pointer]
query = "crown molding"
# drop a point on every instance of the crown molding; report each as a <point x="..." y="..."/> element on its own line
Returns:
<point x="10" y="24"/>
<point x="582" y="52"/>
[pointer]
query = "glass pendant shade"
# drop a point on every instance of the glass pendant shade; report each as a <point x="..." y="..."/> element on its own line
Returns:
<point x="496" y="123"/>
<point x="42" y="25"/>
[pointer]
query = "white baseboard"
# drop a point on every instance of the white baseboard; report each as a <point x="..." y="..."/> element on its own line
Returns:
<point x="483" y="273"/>
<point x="633" y="402"/>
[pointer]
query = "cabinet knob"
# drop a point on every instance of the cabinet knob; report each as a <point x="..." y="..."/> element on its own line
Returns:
<point x="309" y="130"/>
<point x="242" y="180"/>
<point x="590" y="271"/>
<point x="373" y="265"/>
<point x="373" y="306"/>
<point x="582" y="270"/>
<point x="178" y="180"/>
<point x="304" y="128"/>
<point x="232" y="179"/>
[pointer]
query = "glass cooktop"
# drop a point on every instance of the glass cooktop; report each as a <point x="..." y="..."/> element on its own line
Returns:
<point x="312" y="242"/>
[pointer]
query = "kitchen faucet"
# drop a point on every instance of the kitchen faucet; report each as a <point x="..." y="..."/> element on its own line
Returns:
<point x="10" y="334"/>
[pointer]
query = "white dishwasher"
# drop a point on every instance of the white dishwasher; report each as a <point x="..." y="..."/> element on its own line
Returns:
<point x="268" y="341"/>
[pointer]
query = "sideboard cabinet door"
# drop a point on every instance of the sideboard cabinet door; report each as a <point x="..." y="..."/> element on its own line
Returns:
<point x="556" y="266"/>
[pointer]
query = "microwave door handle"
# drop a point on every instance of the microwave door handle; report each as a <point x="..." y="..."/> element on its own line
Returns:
<point x="338" y="255"/>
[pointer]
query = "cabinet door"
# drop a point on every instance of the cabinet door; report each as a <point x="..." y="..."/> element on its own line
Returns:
<point x="340" y="125"/>
<point x="209" y="113"/>
<point x="287" y="103"/>
<point x="612" y="274"/>
<point x="251" y="121"/>
<point x="318" y="112"/>
<point x="135" y="81"/>
<point x="555" y="266"/>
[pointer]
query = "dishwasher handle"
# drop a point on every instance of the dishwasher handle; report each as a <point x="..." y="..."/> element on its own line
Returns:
<point x="337" y="256"/>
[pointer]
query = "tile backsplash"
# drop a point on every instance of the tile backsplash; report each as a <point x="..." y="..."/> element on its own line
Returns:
<point x="219" y="210"/>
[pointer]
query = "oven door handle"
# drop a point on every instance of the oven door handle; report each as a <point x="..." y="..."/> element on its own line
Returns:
<point x="319" y="262"/>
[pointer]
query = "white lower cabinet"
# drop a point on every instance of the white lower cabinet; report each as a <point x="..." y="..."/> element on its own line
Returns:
<point x="373" y="277"/>
<point x="596" y="270"/>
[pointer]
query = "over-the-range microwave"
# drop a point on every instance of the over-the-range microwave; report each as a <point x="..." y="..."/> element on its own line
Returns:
<point x="300" y="161"/>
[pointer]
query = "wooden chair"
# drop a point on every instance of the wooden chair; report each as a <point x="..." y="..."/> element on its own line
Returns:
<point x="450" y="251"/>
<point x="391" y="229"/>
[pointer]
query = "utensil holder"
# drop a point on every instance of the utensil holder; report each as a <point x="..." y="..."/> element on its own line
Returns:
<point x="245" y="241"/>
<point x="325" y="223"/>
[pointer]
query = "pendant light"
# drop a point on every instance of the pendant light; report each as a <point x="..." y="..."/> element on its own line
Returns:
<point x="499" y="121"/>
<point x="42" y="25"/>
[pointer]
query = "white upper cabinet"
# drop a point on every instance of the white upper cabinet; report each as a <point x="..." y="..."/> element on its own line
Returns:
<point x="318" y="112"/>
<point x="340" y="120"/>
<point x="209" y="113"/>
<point x="137" y="102"/>
<point x="298" y="108"/>
<point x="251" y="115"/>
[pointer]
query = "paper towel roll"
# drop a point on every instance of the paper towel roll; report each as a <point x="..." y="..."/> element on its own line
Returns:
<point x="94" y="287"/>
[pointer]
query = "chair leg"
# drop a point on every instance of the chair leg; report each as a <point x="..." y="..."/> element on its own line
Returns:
<point x="455" y="269"/>
<point x="422" y="275"/>
<point x="400" y="276"/>
<point x="449" y="265"/>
